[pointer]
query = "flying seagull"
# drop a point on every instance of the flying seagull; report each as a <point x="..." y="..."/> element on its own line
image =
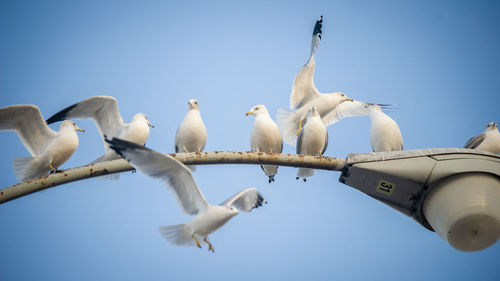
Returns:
<point x="103" y="110"/>
<point x="332" y="107"/>
<point x="487" y="141"/>
<point x="178" y="178"/>
<point x="312" y="140"/>
<point x="49" y="149"/>
<point x="191" y="135"/>
<point x="265" y="137"/>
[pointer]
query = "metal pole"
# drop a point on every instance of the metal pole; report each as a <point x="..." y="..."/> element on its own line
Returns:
<point x="194" y="158"/>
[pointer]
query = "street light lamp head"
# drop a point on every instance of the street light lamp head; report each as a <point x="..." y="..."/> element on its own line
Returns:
<point x="465" y="210"/>
<point x="453" y="191"/>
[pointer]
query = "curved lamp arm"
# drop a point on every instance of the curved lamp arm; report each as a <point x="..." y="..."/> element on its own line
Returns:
<point x="193" y="158"/>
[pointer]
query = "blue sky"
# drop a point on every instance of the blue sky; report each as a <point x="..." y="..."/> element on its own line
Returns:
<point x="438" y="61"/>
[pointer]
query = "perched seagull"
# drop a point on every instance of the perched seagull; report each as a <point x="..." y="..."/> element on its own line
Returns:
<point x="49" y="149"/>
<point x="208" y="218"/>
<point x="332" y="107"/>
<point x="384" y="132"/>
<point x="265" y="137"/>
<point x="487" y="141"/>
<point x="312" y="140"/>
<point x="191" y="134"/>
<point x="103" y="110"/>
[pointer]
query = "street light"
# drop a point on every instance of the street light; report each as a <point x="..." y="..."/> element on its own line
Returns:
<point x="455" y="192"/>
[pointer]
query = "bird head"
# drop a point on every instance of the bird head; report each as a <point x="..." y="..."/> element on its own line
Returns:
<point x="232" y="210"/>
<point x="193" y="104"/>
<point x="492" y="126"/>
<point x="70" y="124"/>
<point x="256" y="110"/>
<point x="142" y="117"/>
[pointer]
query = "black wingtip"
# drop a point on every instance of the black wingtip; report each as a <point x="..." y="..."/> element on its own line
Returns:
<point x="119" y="145"/>
<point x="318" y="27"/>
<point x="61" y="115"/>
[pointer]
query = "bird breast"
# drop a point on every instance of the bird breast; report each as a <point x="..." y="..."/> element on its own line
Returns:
<point x="61" y="149"/>
<point x="265" y="135"/>
<point x="210" y="220"/>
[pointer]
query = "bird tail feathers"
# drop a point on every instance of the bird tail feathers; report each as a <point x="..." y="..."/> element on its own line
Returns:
<point x="288" y="123"/>
<point x="305" y="172"/>
<point x="177" y="235"/>
<point x="27" y="168"/>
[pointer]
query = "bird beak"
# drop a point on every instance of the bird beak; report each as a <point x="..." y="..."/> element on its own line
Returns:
<point x="349" y="99"/>
<point x="80" y="129"/>
<point x="249" y="113"/>
<point x="150" y="125"/>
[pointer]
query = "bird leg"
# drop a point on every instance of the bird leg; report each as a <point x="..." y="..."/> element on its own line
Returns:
<point x="210" y="248"/>
<point x="54" y="170"/>
<point x="197" y="241"/>
<point x="300" y="127"/>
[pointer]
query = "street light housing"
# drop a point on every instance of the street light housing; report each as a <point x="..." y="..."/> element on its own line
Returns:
<point x="455" y="192"/>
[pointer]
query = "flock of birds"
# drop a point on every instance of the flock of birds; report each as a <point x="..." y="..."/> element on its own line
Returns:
<point x="303" y="126"/>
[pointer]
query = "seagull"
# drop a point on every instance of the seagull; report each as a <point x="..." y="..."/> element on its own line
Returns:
<point x="487" y="141"/>
<point x="49" y="149"/>
<point x="384" y="132"/>
<point x="178" y="178"/>
<point x="332" y="107"/>
<point x="191" y="135"/>
<point x="103" y="110"/>
<point x="312" y="140"/>
<point x="265" y="137"/>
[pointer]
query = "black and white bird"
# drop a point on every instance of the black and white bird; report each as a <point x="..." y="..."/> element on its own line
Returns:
<point x="332" y="107"/>
<point x="191" y="135"/>
<point x="103" y="110"/>
<point x="265" y="137"/>
<point x="384" y="131"/>
<point x="49" y="149"/>
<point x="312" y="140"/>
<point x="178" y="178"/>
<point x="489" y="140"/>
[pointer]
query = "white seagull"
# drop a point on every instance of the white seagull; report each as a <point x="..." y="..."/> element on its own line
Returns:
<point x="265" y="137"/>
<point x="332" y="107"/>
<point x="191" y="135"/>
<point x="312" y="140"/>
<point x="487" y="141"/>
<point x="384" y="131"/>
<point x="103" y="110"/>
<point x="49" y="149"/>
<point x="208" y="218"/>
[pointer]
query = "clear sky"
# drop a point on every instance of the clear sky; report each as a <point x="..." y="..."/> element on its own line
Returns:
<point x="439" y="61"/>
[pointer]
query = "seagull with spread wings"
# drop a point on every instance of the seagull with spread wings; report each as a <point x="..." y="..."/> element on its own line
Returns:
<point x="103" y="110"/>
<point x="332" y="107"/>
<point x="208" y="218"/>
<point x="49" y="149"/>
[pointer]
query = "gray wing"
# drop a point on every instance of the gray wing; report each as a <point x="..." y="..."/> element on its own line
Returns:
<point x="303" y="88"/>
<point x="326" y="143"/>
<point x="29" y="125"/>
<point x="346" y="109"/>
<point x="102" y="109"/>
<point x="474" y="142"/>
<point x="173" y="173"/>
<point x="246" y="200"/>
